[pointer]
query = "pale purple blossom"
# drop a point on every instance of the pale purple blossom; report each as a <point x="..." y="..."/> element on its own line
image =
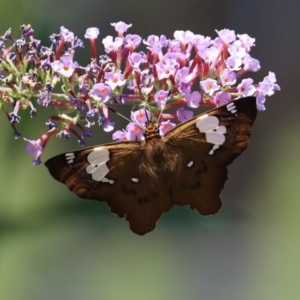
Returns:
<point x="245" y="88"/>
<point x="34" y="148"/>
<point x="209" y="86"/>
<point x="135" y="59"/>
<point x="147" y="83"/>
<point x="181" y="75"/>
<point x="132" y="41"/>
<point x="227" y="77"/>
<point x="193" y="99"/>
<point x="234" y="63"/>
<point x="251" y="64"/>
<point x="184" y="114"/>
<point x="208" y="54"/>
<point x="237" y="50"/>
<point x="260" y="101"/>
<point x="134" y="132"/>
<point x="155" y="43"/>
<point x="100" y="92"/>
<point x="107" y="124"/>
<point x="174" y="46"/>
<point x="65" y="66"/>
<point x="66" y="34"/>
<point x="221" y="98"/>
<point x="268" y="86"/>
<point x="92" y="33"/>
<point x="112" y="45"/>
<point x="201" y="41"/>
<point x="184" y="37"/>
<point x="226" y="35"/>
<point x="114" y="79"/>
<point x="141" y="116"/>
<point x="166" y="68"/>
<point x="120" y="135"/>
<point x="121" y="27"/>
<point x="161" y="98"/>
<point x="165" y="127"/>
<point x="247" y="41"/>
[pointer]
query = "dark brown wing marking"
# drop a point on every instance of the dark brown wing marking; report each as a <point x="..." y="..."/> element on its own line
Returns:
<point x="204" y="165"/>
<point x="129" y="192"/>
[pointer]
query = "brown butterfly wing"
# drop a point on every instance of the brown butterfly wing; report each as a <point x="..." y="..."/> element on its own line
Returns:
<point x="112" y="174"/>
<point x="208" y="143"/>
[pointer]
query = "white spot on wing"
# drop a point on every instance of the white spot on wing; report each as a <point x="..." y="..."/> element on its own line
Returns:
<point x="215" y="147"/>
<point x="231" y="107"/>
<point x="70" y="157"/>
<point x="110" y="181"/>
<point x="135" y="180"/>
<point x="214" y="133"/>
<point x="190" y="163"/>
<point x="97" y="159"/>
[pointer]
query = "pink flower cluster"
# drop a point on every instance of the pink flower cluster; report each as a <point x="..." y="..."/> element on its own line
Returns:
<point x="183" y="73"/>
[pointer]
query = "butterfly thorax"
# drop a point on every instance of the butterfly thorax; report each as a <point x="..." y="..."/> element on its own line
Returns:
<point x="157" y="156"/>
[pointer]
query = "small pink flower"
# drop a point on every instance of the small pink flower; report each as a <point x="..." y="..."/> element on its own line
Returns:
<point x="268" y="86"/>
<point x="65" y="66"/>
<point x="209" y="86"/>
<point x="221" y="98"/>
<point x="135" y="59"/>
<point x="227" y="77"/>
<point x="114" y="79"/>
<point x="165" y="127"/>
<point x="208" y="54"/>
<point x="92" y="33"/>
<point x="134" y="131"/>
<point x="226" y="35"/>
<point x="108" y="125"/>
<point x="119" y="135"/>
<point x="233" y="63"/>
<point x="193" y="99"/>
<point x="184" y="36"/>
<point x="111" y="45"/>
<point x="121" y="27"/>
<point x="260" y="101"/>
<point x="200" y="41"/>
<point x="35" y="148"/>
<point x="184" y="114"/>
<point x="161" y="97"/>
<point x="251" y="64"/>
<point x="247" y="41"/>
<point x="237" y="50"/>
<point x="166" y="68"/>
<point x="132" y="41"/>
<point x="141" y="116"/>
<point x="245" y="88"/>
<point x="66" y="34"/>
<point x="100" y="92"/>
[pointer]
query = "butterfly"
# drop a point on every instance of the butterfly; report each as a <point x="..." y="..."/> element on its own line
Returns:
<point x="140" y="180"/>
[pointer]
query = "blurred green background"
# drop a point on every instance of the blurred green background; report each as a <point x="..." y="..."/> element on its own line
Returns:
<point x="54" y="245"/>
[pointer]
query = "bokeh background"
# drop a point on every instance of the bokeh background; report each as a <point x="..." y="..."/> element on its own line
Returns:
<point x="54" y="245"/>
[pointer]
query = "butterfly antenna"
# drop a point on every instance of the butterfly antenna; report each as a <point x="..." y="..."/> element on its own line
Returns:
<point x="148" y="121"/>
<point x="118" y="114"/>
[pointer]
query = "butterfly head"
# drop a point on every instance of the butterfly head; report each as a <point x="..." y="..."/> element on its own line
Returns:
<point x="151" y="131"/>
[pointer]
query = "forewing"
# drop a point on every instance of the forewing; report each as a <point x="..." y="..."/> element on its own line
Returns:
<point x="225" y="129"/>
<point x="112" y="174"/>
<point x="207" y="144"/>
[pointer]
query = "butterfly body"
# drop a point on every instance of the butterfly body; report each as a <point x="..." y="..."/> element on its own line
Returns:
<point x="139" y="180"/>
